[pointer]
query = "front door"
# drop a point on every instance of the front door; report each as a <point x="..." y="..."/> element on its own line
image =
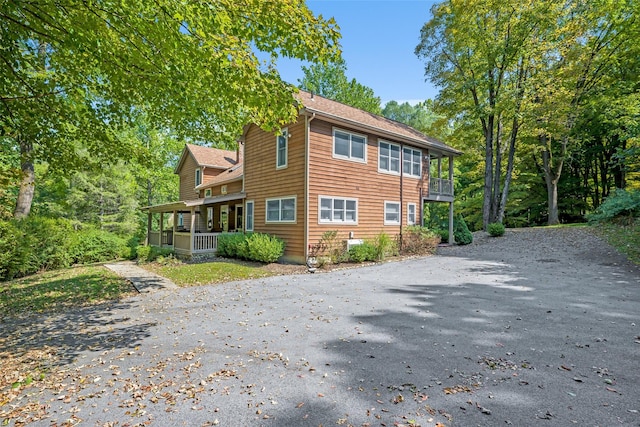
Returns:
<point x="239" y="218"/>
<point x="224" y="218"/>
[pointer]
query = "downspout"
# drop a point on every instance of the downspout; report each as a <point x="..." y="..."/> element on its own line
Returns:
<point x="307" y="132"/>
<point x="401" y="182"/>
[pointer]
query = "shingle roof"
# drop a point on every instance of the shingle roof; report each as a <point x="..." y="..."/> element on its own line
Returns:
<point x="227" y="176"/>
<point x="212" y="157"/>
<point x="347" y="114"/>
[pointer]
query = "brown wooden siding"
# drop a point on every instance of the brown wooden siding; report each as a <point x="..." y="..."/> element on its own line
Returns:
<point x="187" y="179"/>
<point x="329" y="176"/>
<point x="263" y="181"/>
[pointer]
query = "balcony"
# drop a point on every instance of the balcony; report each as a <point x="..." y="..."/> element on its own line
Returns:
<point x="440" y="189"/>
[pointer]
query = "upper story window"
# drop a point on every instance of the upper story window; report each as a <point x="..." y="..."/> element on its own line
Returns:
<point x="338" y="210"/>
<point x="281" y="210"/>
<point x="282" y="147"/>
<point x="207" y="192"/>
<point x="388" y="157"/>
<point x="412" y="162"/>
<point x="198" y="177"/>
<point x="349" y="146"/>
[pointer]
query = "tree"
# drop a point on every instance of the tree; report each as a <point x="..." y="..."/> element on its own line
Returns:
<point x="479" y="53"/>
<point x="330" y="80"/>
<point x="419" y="116"/>
<point x="73" y="74"/>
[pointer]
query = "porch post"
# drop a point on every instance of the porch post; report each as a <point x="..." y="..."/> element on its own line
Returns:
<point x="451" y="173"/>
<point x="161" y="227"/>
<point x="440" y="174"/>
<point x="193" y="229"/>
<point x="149" y="214"/>
<point x="452" y="239"/>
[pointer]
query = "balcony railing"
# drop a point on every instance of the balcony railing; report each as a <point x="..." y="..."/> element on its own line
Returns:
<point x="181" y="241"/>
<point x="440" y="186"/>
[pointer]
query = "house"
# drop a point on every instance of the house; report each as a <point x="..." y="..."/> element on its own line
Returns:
<point x="335" y="168"/>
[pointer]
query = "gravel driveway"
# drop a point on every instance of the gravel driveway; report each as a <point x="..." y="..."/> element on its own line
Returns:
<point x="539" y="327"/>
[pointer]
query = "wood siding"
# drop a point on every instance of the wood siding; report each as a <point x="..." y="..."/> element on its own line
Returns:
<point x="263" y="181"/>
<point x="187" y="174"/>
<point x="329" y="176"/>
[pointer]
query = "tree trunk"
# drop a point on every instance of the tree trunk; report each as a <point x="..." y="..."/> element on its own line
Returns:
<point x="510" y="164"/>
<point x="488" y="173"/>
<point x="552" y="200"/>
<point x="497" y="172"/>
<point x="552" y="177"/>
<point x="27" y="182"/>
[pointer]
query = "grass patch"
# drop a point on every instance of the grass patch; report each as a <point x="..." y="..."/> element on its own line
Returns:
<point x="61" y="290"/>
<point x="624" y="237"/>
<point x="209" y="272"/>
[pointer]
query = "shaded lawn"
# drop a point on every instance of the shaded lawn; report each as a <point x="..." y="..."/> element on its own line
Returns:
<point x="61" y="290"/>
<point x="206" y="273"/>
<point x="624" y="237"/>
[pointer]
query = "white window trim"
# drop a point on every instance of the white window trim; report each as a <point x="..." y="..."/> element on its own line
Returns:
<point x="415" y="213"/>
<point x="285" y="134"/>
<point x="207" y="192"/>
<point x="280" y="221"/>
<point x="180" y="220"/>
<point x="324" y="221"/>
<point x="390" y="172"/>
<point x="385" y="213"/>
<point x="253" y="215"/>
<point x="197" y="176"/>
<point x="411" y="175"/>
<point x="351" y="159"/>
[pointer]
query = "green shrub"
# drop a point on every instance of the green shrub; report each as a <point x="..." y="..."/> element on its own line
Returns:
<point x="619" y="204"/>
<point x="264" y="248"/>
<point x="418" y="240"/>
<point x="385" y="246"/>
<point x="363" y="252"/>
<point x="495" y="229"/>
<point x="93" y="245"/>
<point x="152" y="253"/>
<point x="444" y="235"/>
<point x="461" y="232"/>
<point x="232" y="245"/>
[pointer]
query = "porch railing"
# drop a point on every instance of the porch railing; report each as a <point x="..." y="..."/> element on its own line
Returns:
<point x="155" y="238"/>
<point x="440" y="186"/>
<point x="205" y="242"/>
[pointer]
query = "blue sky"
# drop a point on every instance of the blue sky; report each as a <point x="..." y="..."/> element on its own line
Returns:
<point x="378" y="41"/>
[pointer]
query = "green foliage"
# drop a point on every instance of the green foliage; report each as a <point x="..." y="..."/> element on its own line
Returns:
<point x="264" y="248"/>
<point x="620" y="204"/>
<point x="385" y="246"/>
<point x="91" y="245"/>
<point x="152" y="253"/>
<point x="418" y="240"/>
<point x="331" y="82"/>
<point x="259" y="247"/>
<point x="495" y="229"/>
<point x="625" y="236"/>
<point x="461" y="232"/>
<point x="363" y="252"/>
<point x="233" y="245"/>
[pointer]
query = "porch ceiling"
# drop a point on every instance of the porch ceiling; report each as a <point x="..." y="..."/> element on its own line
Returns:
<point x="185" y="206"/>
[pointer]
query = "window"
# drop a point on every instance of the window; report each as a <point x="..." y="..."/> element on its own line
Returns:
<point x="210" y="218"/>
<point x="249" y="216"/>
<point x="281" y="149"/>
<point x="207" y="192"/>
<point x="388" y="157"/>
<point x="281" y="210"/>
<point x="223" y="189"/>
<point x="337" y="210"/>
<point x="198" y="177"/>
<point x="391" y="213"/>
<point x="412" y="162"/>
<point x="411" y="213"/>
<point x="180" y="220"/>
<point x="349" y="146"/>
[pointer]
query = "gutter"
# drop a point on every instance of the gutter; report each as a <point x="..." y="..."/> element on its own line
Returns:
<point x="307" y="132"/>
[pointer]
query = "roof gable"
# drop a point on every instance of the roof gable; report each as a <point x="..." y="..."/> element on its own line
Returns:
<point x="208" y="157"/>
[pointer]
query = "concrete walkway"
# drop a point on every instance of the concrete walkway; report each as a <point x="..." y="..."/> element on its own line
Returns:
<point x="141" y="279"/>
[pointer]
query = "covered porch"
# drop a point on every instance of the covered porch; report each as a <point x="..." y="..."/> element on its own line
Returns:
<point x="440" y="172"/>
<point x="192" y="227"/>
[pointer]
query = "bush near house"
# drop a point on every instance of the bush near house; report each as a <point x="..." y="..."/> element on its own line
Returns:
<point x="363" y="252"/>
<point x="259" y="247"/>
<point x="418" y="240"/>
<point x="461" y="232"/>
